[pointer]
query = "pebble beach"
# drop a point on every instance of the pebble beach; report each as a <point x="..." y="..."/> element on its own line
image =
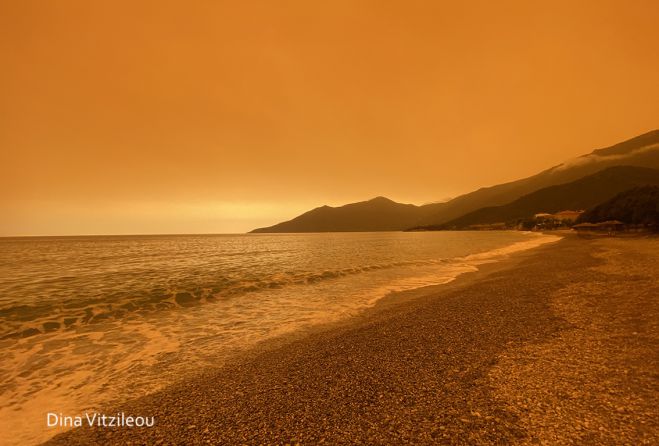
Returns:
<point x="557" y="345"/>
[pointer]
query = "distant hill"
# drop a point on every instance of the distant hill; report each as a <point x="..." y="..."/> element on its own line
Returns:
<point x="583" y="193"/>
<point x="378" y="214"/>
<point x="638" y="206"/>
<point x="382" y="214"/>
<point x="641" y="151"/>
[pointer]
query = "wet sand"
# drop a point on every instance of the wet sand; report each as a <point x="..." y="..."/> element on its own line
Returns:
<point x="559" y="345"/>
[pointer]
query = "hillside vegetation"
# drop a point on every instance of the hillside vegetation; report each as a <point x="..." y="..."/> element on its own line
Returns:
<point x="637" y="206"/>
<point x="580" y="194"/>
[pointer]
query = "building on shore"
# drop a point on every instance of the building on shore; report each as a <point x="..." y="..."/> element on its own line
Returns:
<point x="567" y="215"/>
<point x="562" y="219"/>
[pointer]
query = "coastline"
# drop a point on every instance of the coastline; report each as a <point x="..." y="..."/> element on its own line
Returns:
<point x="422" y="366"/>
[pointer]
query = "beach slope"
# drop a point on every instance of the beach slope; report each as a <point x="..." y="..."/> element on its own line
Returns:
<point x="558" y="345"/>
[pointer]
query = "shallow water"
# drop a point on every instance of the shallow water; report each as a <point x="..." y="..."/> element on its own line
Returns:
<point x="86" y="322"/>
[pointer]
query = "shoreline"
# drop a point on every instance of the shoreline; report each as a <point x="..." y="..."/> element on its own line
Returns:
<point x="99" y="393"/>
<point x="413" y="368"/>
<point x="391" y="302"/>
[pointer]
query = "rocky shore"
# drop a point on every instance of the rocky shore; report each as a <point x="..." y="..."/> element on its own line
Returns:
<point x="559" y="345"/>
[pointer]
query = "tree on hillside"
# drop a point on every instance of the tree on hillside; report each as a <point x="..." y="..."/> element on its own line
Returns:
<point x="637" y="206"/>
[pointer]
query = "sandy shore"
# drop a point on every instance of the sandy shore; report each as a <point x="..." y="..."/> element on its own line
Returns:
<point x="555" y="346"/>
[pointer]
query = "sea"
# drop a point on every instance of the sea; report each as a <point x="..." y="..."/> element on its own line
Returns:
<point x="89" y="322"/>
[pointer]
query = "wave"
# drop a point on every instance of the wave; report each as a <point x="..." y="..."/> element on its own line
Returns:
<point x="30" y="320"/>
<point x="496" y="254"/>
<point x="112" y="303"/>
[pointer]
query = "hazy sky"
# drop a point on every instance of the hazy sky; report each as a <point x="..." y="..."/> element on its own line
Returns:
<point x="220" y="116"/>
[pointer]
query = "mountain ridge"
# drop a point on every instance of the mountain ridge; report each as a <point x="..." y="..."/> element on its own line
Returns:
<point x="377" y="214"/>
<point x="388" y="215"/>
<point x="583" y="193"/>
<point x="565" y="172"/>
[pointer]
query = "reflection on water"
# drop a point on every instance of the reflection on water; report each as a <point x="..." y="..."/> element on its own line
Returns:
<point x="86" y="322"/>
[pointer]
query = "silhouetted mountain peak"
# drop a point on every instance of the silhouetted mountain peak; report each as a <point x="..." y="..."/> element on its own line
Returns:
<point x="383" y="214"/>
<point x="381" y="199"/>
<point x="376" y="214"/>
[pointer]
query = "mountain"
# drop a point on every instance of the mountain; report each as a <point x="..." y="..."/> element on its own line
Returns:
<point x="641" y="151"/>
<point x="639" y="206"/>
<point x="583" y="193"/>
<point x="378" y="214"/>
<point x="382" y="214"/>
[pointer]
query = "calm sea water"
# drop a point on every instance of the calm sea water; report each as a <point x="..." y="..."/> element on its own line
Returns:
<point x="86" y="322"/>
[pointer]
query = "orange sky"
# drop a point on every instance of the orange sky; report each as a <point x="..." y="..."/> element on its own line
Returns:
<point x="214" y="116"/>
